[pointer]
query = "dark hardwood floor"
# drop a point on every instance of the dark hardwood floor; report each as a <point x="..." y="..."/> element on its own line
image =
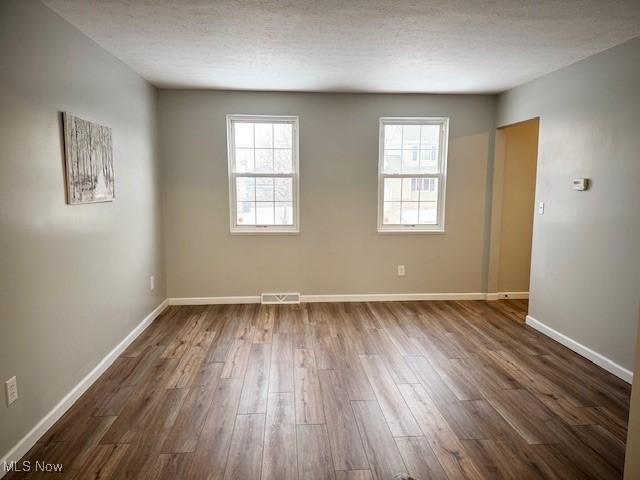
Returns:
<point x="350" y="391"/>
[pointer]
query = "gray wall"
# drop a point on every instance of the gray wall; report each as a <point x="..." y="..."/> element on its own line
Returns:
<point x="74" y="280"/>
<point x="585" y="274"/>
<point x="338" y="250"/>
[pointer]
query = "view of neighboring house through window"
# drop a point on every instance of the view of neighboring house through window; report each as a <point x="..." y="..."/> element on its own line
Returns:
<point x="263" y="173"/>
<point x="412" y="174"/>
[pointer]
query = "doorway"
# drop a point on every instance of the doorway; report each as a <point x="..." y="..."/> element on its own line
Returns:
<point x="513" y="206"/>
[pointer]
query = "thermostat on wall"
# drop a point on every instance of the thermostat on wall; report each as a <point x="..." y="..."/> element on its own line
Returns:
<point x="580" y="184"/>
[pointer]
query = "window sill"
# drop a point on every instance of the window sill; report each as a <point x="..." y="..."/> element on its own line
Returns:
<point x="395" y="231"/>
<point x="265" y="231"/>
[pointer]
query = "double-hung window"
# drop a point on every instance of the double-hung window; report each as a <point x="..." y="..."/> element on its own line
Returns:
<point x="412" y="174"/>
<point x="263" y="173"/>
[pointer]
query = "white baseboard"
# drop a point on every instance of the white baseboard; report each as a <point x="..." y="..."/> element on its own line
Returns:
<point x="372" y="297"/>
<point x="29" y="440"/>
<point x="597" y="358"/>
<point x="392" y="297"/>
<point x="213" y="300"/>
<point x="510" y="295"/>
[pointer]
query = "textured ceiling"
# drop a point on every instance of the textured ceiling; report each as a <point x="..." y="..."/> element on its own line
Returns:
<point x="360" y="45"/>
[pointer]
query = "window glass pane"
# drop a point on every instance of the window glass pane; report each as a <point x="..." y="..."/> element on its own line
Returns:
<point x="429" y="135"/>
<point x="429" y="160"/>
<point x="393" y="136"/>
<point x="264" y="189"/>
<point x="410" y="136"/>
<point x="244" y="160"/>
<point x="411" y="189"/>
<point x="282" y="160"/>
<point x="243" y="134"/>
<point x="264" y="213"/>
<point x="264" y="135"/>
<point x="411" y="148"/>
<point x="392" y="161"/>
<point x="409" y="213"/>
<point x="282" y="135"/>
<point x="428" y="213"/>
<point x="264" y="160"/>
<point x="246" y="213"/>
<point x="429" y="190"/>
<point x="246" y="189"/>
<point x="392" y="189"/>
<point x="410" y="201"/>
<point x="411" y="160"/>
<point x="391" y="213"/>
<point x="284" y="213"/>
<point x="284" y="189"/>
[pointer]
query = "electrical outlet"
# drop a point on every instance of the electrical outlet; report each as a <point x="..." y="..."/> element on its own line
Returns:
<point x="11" y="389"/>
<point x="540" y="208"/>
<point x="152" y="282"/>
<point x="401" y="271"/>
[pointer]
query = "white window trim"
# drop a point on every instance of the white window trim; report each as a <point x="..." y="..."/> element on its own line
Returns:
<point x="442" y="176"/>
<point x="236" y="229"/>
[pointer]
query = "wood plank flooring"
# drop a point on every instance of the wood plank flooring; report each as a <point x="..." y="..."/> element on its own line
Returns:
<point x="360" y="391"/>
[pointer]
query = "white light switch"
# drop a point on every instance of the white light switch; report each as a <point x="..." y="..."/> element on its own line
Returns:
<point x="540" y="208"/>
<point x="11" y="389"/>
<point x="152" y="283"/>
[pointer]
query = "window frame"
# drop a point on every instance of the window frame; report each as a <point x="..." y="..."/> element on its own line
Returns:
<point x="236" y="229"/>
<point x="438" y="227"/>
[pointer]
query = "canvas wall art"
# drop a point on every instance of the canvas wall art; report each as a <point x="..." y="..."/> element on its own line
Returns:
<point x="88" y="160"/>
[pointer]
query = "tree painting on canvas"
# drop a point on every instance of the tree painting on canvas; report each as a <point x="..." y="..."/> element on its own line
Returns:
<point x="89" y="161"/>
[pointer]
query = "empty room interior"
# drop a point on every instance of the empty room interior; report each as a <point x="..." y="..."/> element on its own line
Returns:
<point x="319" y="239"/>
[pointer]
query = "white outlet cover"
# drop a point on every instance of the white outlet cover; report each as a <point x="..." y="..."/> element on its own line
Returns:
<point x="152" y="282"/>
<point x="401" y="271"/>
<point x="11" y="389"/>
